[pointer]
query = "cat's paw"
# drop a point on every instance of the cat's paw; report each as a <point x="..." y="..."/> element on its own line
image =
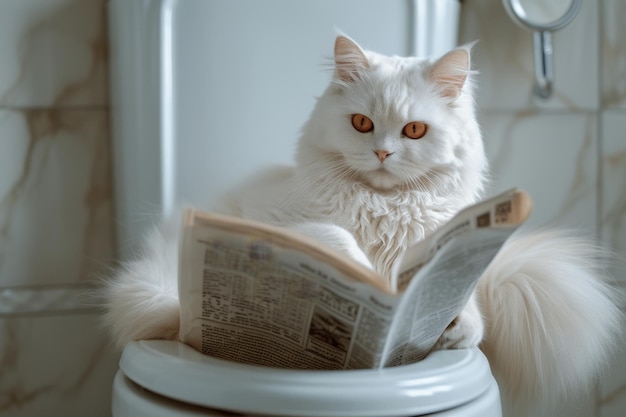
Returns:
<point x="335" y="237"/>
<point x="465" y="331"/>
<point x="460" y="334"/>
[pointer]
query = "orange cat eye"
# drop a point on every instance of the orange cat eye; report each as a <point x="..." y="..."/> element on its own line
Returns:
<point x="362" y="123"/>
<point x="415" y="130"/>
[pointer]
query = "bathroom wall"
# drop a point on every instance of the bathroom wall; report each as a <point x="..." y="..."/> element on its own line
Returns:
<point x="569" y="152"/>
<point x="56" y="220"/>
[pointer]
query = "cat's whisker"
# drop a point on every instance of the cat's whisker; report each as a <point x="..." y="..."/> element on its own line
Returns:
<point x="435" y="179"/>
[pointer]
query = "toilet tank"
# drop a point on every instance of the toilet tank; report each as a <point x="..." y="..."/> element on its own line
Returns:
<point x="205" y="93"/>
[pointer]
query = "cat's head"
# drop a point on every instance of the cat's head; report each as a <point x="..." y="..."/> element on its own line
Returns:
<point x="394" y="122"/>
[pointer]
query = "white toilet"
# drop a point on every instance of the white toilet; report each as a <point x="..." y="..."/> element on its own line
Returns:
<point x="159" y="378"/>
<point x="185" y="73"/>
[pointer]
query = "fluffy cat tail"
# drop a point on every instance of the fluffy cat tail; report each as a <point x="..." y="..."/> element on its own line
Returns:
<point x="552" y="317"/>
<point x="141" y="299"/>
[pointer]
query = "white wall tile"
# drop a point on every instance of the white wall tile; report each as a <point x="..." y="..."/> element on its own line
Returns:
<point x="504" y="57"/>
<point x="613" y="202"/>
<point x="613" y="230"/>
<point x="13" y="151"/>
<point x="553" y="157"/>
<point x="614" y="54"/>
<point x="54" y="53"/>
<point x="55" y="366"/>
<point x="55" y="208"/>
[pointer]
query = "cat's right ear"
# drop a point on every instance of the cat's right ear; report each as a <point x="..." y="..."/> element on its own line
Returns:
<point x="350" y="60"/>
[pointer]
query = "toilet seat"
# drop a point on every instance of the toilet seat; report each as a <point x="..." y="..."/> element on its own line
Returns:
<point x="458" y="381"/>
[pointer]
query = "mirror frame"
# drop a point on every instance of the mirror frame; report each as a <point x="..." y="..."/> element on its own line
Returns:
<point x="513" y="8"/>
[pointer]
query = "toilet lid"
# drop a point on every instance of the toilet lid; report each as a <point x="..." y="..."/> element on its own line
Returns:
<point x="443" y="380"/>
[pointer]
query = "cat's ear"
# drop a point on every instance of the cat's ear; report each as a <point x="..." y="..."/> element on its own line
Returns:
<point x="450" y="72"/>
<point x="350" y="59"/>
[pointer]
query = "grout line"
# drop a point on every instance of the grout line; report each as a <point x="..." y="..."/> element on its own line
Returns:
<point x="599" y="167"/>
<point x="55" y="108"/>
<point x="48" y="299"/>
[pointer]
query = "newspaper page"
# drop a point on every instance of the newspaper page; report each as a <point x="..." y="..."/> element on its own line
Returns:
<point x="439" y="277"/>
<point x="252" y="295"/>
<point x="251" y="298"/>
<point x="438" y="294"/>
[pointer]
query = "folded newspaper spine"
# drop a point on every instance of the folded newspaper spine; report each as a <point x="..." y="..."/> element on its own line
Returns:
<point x="263" y="295"/>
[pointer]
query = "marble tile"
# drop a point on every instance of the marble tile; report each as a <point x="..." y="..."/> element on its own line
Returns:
<point x="55" y="203"/>
<point x="613" y="201"/>
<point x="54" y="53"/>
<point x="55" y="366"/>
<point x="554" y="158"/>
<point x="613" y="230"/>
<point x="504" y="58"/>
<point x="614" y="54"/>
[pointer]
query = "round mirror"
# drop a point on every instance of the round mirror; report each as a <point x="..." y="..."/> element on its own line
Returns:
<point x="543" y="17"/>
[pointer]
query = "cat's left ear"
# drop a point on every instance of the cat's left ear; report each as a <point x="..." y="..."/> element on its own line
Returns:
<point x="450" y="72"/>
<point x="350" y="59"/>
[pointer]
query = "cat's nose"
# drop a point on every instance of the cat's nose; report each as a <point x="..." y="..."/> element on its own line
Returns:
<point x="382" y="154"/>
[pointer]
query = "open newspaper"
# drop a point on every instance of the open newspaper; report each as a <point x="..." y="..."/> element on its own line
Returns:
<point x="264" y="295"/>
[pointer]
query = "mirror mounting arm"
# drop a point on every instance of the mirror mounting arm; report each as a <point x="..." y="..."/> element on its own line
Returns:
<point x="544" y="67"/>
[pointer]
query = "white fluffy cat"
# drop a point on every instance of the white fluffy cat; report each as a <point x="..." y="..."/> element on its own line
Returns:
<point x="392" y="150"/>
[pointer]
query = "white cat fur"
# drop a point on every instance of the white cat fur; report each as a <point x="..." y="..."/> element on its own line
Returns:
<point x="543" y="310"/>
